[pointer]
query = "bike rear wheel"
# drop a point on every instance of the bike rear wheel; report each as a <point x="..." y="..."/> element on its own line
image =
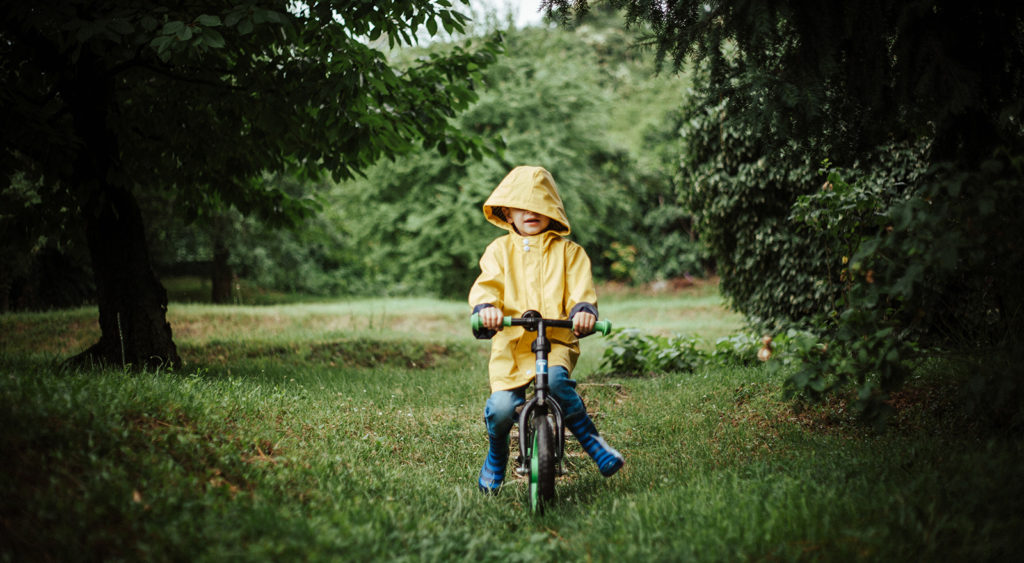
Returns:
<point x="542" y="464"/>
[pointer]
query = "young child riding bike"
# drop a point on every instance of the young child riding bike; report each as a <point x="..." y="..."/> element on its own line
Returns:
<point x="533" y="267"/>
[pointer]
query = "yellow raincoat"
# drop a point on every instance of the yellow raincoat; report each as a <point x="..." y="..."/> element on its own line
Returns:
<point x="544" y="272"/>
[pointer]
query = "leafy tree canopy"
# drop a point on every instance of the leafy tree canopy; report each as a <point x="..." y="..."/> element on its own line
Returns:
<point x="101" y="99"/>
<point x="205" y="95"/>
<point x="908" y="239"/>
<point x="575" y="101"/>
<point x="852" y="74"/>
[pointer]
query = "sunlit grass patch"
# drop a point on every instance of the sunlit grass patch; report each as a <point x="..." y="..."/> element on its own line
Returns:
<point x="347" y="353"/>
<point x="417" y="319"/>
<point x="51" y="333"/>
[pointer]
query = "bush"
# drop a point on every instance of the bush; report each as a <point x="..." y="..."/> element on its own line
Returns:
<point x="741" y="195"/>
<point x="634" y="353"/>
<point x="738" y="349"/>
<point x="937" y="268"/>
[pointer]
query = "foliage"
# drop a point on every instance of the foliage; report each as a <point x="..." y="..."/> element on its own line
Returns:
<point x="925" y="129"/>
<point x="316" y="255"/>
<point x="223" y="69"/>
<point x="42" y="256"/>
<point x="852" y="76"/>
<point x="552" y="100"/>
<point x="104" y="100"/>
<point x="778" y="226"/>
<point x="938" y="268"/>
<point x="741" y="197"/>
<point x="633" y="352"/>
<point x="737" y="349"/>
<point x="843" y="215"/>
<point x="666" y="244"/>
<point x="414" y="223"/>
<point x="582" y="102"/>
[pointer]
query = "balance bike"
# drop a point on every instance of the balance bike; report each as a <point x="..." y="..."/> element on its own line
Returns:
<point x="541" y="426"/>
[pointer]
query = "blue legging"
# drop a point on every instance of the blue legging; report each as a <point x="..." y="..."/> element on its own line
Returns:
<point x="500" y="411"/>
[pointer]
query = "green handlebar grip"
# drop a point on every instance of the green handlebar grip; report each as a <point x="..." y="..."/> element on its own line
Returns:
<point x="477" y="323"/>
<point x="604" y="327"/>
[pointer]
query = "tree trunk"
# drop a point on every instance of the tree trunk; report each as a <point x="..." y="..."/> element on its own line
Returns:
<point x="222" y="276"/>
<point x="132" y="302"/>
<point x="5" y="293"/>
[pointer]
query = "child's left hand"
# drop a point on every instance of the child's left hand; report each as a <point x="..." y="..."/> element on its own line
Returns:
<point x="583" y="323"/>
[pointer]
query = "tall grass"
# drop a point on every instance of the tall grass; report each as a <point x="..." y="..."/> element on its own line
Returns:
<point x="353" y="430"/>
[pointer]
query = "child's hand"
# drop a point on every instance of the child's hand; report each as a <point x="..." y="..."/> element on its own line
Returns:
<point x="583" y="323"/>
<point x="491" y="318"/>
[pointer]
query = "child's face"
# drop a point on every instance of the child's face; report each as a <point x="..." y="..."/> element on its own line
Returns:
<point x="528" y="223"/>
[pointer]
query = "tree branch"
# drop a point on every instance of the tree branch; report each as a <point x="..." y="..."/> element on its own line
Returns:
<point x="185" y="78"/>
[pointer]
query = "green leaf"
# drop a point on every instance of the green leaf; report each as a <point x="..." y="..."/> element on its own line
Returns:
<point x="121" y="26"/>
<point x="213" y="38"/>
<point x="275" y="17"/>
<point x="234" y="17"/>
<point x="86" y="32"/>
<point x="173" y="27"/>
<point x="161" y="43"/>
<point x="208" y="20"/>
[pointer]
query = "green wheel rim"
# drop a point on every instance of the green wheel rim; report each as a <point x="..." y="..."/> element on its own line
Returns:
<point x="534" y="476"/>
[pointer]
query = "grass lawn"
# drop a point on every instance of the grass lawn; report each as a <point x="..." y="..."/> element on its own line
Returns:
<point x="351" y="430"/>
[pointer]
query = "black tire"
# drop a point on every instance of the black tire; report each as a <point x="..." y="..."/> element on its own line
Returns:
<point x="542" y="465"/>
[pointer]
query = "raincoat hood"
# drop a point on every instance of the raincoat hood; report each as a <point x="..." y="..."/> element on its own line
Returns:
<point x="531" y="188"/>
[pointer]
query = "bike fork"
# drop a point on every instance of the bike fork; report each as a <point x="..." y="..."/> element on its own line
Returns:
<point x="541" y="405"/>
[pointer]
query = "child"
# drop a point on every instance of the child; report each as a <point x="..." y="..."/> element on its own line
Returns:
<point x="533" y="267"/>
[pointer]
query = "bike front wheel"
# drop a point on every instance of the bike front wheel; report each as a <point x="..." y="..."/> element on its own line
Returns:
<point x="542" y="465"/>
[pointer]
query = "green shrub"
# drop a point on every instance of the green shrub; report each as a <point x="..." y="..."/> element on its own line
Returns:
<point x="740" y="190"/>
<point x="935" y="269"/>
<point x="634" y="353"/>
<point x="738" y="349"/>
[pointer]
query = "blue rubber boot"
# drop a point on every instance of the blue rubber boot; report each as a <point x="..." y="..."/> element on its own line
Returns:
<point x="607" y="459"/>
<point x="492" y="474"/>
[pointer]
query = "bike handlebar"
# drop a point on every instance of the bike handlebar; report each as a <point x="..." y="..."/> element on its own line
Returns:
<point x="604" y="327"/>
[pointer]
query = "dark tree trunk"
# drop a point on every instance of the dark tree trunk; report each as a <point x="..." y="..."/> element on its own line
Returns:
<point x="222" y="276"/>
<point x="132" y="302"/>
<point x="5" y="293"/>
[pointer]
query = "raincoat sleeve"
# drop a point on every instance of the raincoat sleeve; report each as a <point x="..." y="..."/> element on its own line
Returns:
<point x="580" y="292"/>
<point x="489" y="288"/>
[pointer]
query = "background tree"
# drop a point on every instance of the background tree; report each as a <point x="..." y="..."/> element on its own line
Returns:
<point x="105" y="99"/>
<point x="916" y="107"/>
<point x="577" y="101"/>
<point x="43" y="262"/>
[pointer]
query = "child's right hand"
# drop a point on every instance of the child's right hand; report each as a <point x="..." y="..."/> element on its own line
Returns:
<point x="491" y="318"/>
